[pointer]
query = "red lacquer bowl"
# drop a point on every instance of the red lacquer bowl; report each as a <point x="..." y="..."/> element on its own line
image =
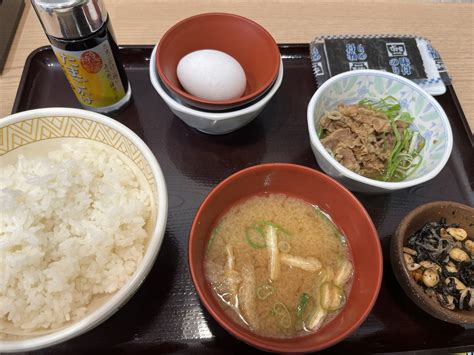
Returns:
<point x="315" y="188"/>
<point x="245" y="40"/>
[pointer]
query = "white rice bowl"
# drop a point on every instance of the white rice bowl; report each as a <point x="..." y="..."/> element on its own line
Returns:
<point x="81" y="224"/>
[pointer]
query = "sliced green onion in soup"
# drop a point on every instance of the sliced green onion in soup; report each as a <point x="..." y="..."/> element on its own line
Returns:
<point x="214" y="234"/>
<point x="285" y="322"/>
<point x="280" y="309"/>
<point x="255" y="234"/>
<point x="264" y="291"/>
<point x="261" y="224"/>
<point x="255" y="237"/>
<point x="281" y="312"/>
<point x="302" y="305"/>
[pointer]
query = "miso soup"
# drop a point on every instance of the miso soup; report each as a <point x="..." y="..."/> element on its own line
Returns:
<point x="279" y="265"/>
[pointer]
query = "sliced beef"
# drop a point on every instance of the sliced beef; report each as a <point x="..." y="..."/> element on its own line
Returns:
<point x="372" y="166"/>
<point x="360" y="139"/>
<point x="346" y="157"/>
<point x="338" y="138"/>
<point x="348" y="110"/>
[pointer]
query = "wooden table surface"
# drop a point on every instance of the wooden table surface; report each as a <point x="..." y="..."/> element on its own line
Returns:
<point x="449" y="26"/>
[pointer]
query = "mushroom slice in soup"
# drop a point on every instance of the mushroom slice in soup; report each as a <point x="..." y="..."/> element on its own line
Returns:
<point x="343" y="274"/>
<point x="308" y="264"/>
<point x="232" y="277"/>
<point x="230" y="257"/>
<point x="317" y="316"/>
<point x="272" y="246"/>
<point x="247" y="296"/>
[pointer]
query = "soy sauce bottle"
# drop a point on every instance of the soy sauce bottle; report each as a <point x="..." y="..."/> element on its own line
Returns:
<point x="83" y="41"/>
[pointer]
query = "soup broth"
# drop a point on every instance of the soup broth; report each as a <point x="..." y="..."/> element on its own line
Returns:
<point x="279" y="266"/>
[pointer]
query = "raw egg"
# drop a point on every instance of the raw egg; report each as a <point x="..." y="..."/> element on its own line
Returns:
<point x="211" y="75"/>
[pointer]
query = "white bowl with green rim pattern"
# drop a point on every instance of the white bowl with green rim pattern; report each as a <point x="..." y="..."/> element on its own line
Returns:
<point x="33" y="134"/>
<point x="430" y="121"/>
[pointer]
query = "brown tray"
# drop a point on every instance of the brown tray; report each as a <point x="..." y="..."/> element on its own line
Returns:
<point x="165" y="315"/>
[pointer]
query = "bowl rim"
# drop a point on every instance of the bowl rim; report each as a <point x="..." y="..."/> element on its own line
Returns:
<point x="239" y="100"/>
<point x="215" y="116"/>
<point x="362" y="179"/>
<point x="155" y="240"/>
<point x="278" y="347"/>
<point x="408" y="285"/>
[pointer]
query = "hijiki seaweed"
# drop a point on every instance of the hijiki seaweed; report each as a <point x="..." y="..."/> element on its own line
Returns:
<point x="439" y="256"/>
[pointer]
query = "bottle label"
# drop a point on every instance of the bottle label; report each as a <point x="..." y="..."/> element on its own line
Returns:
<point x="93" y="75"/>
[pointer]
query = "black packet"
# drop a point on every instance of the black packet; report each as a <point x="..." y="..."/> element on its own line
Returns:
<point x="412" y="57"/>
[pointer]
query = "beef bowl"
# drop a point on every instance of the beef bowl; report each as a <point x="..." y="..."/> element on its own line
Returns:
<point x="378" y="132"/>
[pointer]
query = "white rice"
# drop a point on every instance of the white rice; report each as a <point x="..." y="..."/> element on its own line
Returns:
<point x="71" y="227"/>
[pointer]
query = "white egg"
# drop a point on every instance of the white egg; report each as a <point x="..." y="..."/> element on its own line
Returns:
<point x="211" y="75"/>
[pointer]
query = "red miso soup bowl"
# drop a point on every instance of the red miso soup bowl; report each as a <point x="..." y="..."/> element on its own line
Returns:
<point x="315" y="188"/>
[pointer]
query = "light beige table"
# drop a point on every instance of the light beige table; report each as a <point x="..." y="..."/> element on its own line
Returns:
<point x="450" y="27"/>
